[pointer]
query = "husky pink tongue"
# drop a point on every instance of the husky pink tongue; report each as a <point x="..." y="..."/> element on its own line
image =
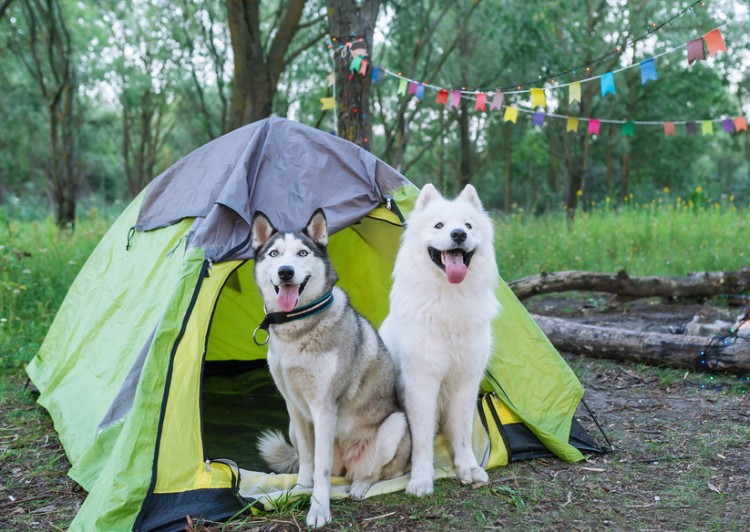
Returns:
<point x="288" y="296"/>
<point x="454" y="266"/>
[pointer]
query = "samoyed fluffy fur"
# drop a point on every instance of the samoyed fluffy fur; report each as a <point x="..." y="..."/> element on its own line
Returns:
<point x="438" y="330"/>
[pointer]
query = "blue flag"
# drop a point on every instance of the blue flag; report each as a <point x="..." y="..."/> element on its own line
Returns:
<point x="648" y="70"/>
<point x="608" y="83"/>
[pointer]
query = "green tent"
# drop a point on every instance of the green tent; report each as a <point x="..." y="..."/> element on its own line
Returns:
<point x="149" y="370"/>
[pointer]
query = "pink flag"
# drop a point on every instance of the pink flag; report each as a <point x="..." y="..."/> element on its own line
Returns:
<point x="363" y="67"/>
<point x="695" y="50"/>
<point x="497" y="101"/>
<point x="669" y="128"/>
<point x="455" y="98"/>
<point x="412" y="88"/>
<point x="481" y="99"/>
<point x="593" y="126"/>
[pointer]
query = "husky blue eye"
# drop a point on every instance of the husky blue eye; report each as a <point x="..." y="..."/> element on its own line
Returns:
<point x="303" y="253"/>
<point x="273" y="253"/>
<point x="439" y="225"/>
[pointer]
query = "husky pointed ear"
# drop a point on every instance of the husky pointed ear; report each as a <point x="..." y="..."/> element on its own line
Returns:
<point x="427" y="195"/>
<point x="262" y="230"/>
<point x="469" y="193"/>
<point x="317" y="228"/>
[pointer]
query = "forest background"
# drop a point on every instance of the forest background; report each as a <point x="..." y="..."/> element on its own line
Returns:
<point x="97" y="98"/>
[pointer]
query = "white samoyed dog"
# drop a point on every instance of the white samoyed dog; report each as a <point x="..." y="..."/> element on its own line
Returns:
<point x="438" y="330"/>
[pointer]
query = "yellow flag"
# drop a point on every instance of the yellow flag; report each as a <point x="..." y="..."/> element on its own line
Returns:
<point x="572" y="124"/>
<point x="574" y="92"/>
<point x="707" y="128"/>
<point x="328" y="103"/>
<point x="537" y="98"/>
<point x="511" y="115"/>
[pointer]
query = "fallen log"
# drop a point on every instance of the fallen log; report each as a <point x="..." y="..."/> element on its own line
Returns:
<point x="702" y="284"/>
<point x="658" y="349"/>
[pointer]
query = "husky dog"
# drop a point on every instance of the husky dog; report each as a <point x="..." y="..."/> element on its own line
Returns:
<point x="438" y="330"/>
<point x="336" y="376"/>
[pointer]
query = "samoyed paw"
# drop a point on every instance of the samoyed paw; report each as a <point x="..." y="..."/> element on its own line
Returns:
<point x="359" y="489"/>
<point x="318" y="515"/>
<point x="473" y="475"/>
<point x="418" y="487"/>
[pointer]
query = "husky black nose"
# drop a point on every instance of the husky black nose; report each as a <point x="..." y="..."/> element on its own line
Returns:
<point x="286" y="273"/>
<point x="458" y="235"/>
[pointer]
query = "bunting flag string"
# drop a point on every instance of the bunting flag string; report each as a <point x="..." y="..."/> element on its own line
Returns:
<point x="451" y="97"/>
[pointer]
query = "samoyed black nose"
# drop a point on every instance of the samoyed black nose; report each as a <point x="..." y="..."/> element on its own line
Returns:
<point x="286" y="273"/>
<point x="458" y="235"/>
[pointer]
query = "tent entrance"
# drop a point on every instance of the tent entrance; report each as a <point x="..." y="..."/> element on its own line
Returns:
<point x="239" y="401"/>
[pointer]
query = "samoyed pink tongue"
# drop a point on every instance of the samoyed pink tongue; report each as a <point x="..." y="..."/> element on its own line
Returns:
<point x="288" y="296"/>
<point x="454" y="266"/>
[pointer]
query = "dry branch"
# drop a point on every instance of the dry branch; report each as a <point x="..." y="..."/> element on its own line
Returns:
<point x="702" y="284"/>
<point x="658" y="349"/>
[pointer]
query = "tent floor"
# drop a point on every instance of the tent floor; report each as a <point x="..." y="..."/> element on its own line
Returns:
<point x="239" y="401"/>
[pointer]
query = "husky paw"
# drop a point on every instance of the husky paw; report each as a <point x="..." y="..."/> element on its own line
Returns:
<point x="472" y="475"/>
<point x="359" y="489"/>
<point x="418" y="487"/>
<point x="318" y="515"/>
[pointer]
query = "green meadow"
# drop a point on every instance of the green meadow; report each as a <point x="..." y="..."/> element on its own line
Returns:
<point x="671" y="236"/>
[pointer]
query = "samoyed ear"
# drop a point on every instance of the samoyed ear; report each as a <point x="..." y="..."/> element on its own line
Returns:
<point x="469" y="193"/>
<point x="428" y="194"/>
<point x="262" y="230"/>
<point x="317" y="228"/>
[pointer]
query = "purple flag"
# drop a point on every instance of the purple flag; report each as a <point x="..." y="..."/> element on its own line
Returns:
<point x="727" y="125"/>
<point x="695" y="50"/>
<point x="691" y="128"/>
<point x="538" y="119"/>
<point x="497" y="101"/>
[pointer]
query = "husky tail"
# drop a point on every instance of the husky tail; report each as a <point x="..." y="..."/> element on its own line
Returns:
<point x="280" y="456"/>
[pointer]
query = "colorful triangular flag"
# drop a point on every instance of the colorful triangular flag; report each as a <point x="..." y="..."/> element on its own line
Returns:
<point x="594" y="125"/>
<point x="442" y="97"/>
<point x="538" y="119"/>
<point x="375" y="74"/>
<point x="497" y="101"/>
<point x="328" y="103"/>
<point x="537" y="98"/>
<point x="355" y="64"/>
<point x="420" y="91"/>
<point x="727" y="125"/>
<point x="691" y="128"/>
<point x="411" y="88"/>
<point x="695" y="50"/>
<point x="669" y="128"/>
<point x="608" y="84"/>
<point x="628" y="128"/>
<point x="481" y="104"/>
<point x="402" y="85"/>
<point x="455" y="98"/>
<point x="707" y="127"/>
<point x="714" y="42"/>
<point x="574" y="92"/>
<point x="572" y="124"/>
<point x="648" y="70"/>
<point x="363" y="67"/>
<point x="740" y="124"/>
<point x="511" y="115"/>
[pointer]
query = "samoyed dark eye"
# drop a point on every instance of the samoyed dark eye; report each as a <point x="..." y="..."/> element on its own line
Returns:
<point x="303" y="253"/>
<point x="439" y="225"/>
<point x="468" y="225"/>
<point x="273" y="253"/>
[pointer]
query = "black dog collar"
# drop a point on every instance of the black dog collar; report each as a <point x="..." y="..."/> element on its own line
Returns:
<point x="276" y="318"/>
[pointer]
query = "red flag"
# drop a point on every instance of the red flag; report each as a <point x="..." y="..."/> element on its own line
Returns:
<point x="669" y="128"/>
<point x="740" y="124"/>
<point x="442" y="97"/>
<point x="481" y="102"/>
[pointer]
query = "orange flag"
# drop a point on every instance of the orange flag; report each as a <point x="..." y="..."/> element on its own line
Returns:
<point x="669" y="128"/>
<point x="714" y="42"/>
<point x="740" y="124"/>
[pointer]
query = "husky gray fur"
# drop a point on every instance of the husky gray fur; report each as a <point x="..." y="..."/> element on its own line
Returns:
<point x="336" y="376"/>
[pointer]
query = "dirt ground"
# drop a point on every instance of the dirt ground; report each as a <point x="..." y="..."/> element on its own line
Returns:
<point x="681" y="458"/>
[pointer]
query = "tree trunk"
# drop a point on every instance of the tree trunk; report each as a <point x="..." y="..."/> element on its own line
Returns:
<point x="702" y="284"/>
<point x="257" y="71"/>
<point x="658" y="349"/>
<point x="353" y="23"/>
